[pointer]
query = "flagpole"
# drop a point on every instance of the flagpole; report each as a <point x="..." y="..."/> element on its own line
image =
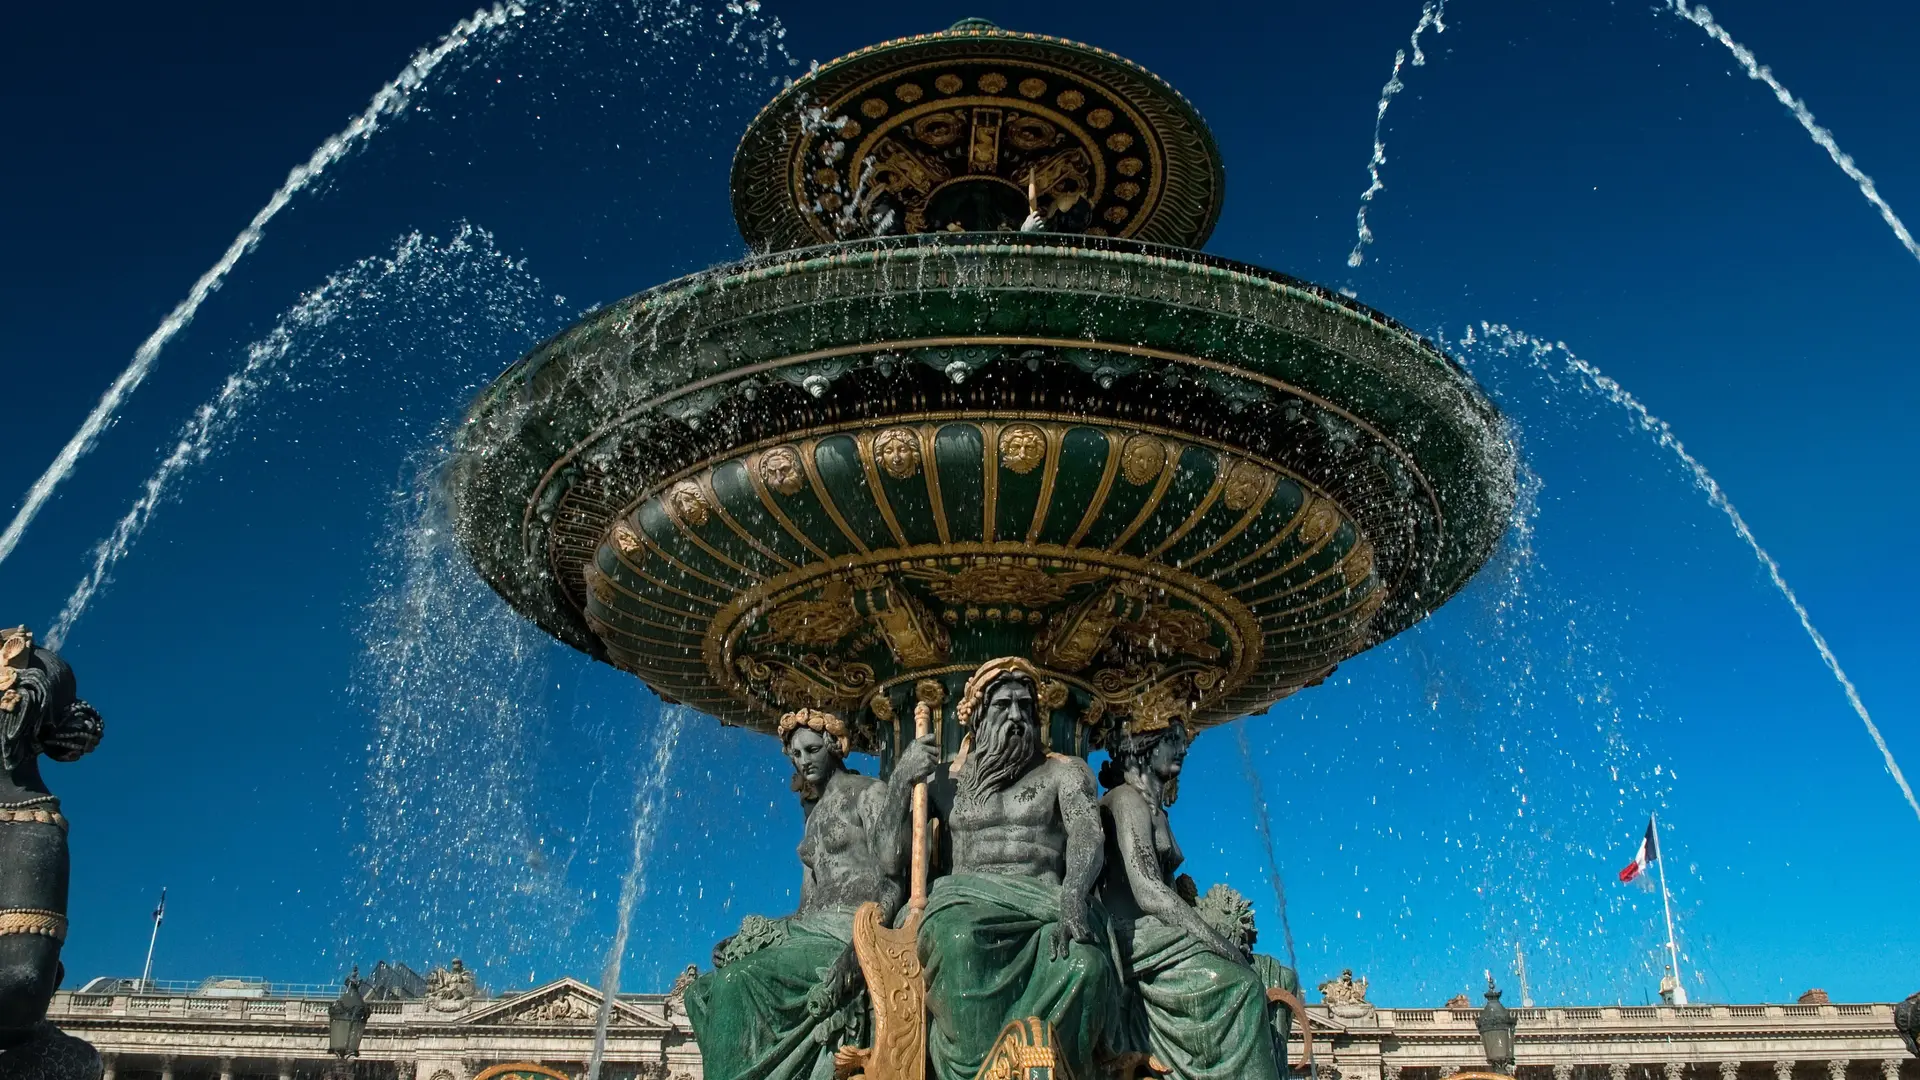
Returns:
<point x="1666" y="901"/>
<point x="159" y="913"/>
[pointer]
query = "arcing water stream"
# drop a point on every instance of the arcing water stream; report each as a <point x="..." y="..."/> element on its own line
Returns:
<point x="1699" y="16"/>
<point x="391" y="101"/>
<point x="1540" y="350"/>
<point x="648" y="794"/>
<point x="1433" y="15"/>
<point x="1518" y="709"/>
<point x="463" y="275"/>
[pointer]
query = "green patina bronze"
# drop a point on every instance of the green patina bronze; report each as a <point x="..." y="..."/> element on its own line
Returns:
<point x="974" y="397"/>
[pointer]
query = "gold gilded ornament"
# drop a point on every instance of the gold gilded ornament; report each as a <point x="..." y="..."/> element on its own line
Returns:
<point x="1119" y="141"/>
<point x="1142" y="459"/>
<point x="897" y="452"/>
<point x="1126" y="189"/>
<point x="1032" y="88"/>
<point x="874" y="108"/>
<point x="909" y="92"/>
<point x="823" y="722"/>
<point x="1071" y="99"/>
<point x="974" y="695"/>
<point x="996" y="584"/>
<point x="1247" y="484"/>
<point x="688" y="502"/>
<point x="1321" y="521"/>
<point x="1100" y="118"/>
<point x="780" y="470"/>
<point x="1130" y="166"/>
<point x="992" y="82"/>
<point x="948" y="84"/>
<point x="1022" y="448"/>
<point x="625" y="539"/>
<point x="1116" y="214"/>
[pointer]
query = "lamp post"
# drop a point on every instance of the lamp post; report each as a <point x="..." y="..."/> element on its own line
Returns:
<point x="1496" y="1023"/>
<point x="1906" y="1020"/>
<point x="347" y="1019"/>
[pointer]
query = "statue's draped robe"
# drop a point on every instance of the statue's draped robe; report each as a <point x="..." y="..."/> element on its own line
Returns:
<point x="750" y="1017"/>
<point x="1204" y="1016"/>
<point x="986" y="941"/>
<point x="1278" y="976"/>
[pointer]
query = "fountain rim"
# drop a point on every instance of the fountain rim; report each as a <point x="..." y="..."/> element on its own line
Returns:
<point x="496" y="400"/>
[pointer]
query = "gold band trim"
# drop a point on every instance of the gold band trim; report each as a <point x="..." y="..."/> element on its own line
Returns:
<point x="35" y="817"/>
<point x="35" y="921"/>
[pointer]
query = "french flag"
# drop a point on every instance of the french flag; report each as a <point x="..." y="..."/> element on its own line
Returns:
<point x="1649" y="851"/>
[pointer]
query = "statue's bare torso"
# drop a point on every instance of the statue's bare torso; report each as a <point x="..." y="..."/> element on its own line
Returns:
<point x="843" y="866"/>
<point x="1022" y="829"/>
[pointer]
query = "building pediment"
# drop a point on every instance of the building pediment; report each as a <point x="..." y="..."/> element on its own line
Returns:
<point x="564" y="1003"/>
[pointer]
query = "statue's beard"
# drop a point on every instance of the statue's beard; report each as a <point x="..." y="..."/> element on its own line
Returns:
<point x="1001" y="754"/>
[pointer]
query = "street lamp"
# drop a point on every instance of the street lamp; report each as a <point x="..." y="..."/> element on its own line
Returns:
<point x="1496" y="1024"/>
<point x="1906" y="1019"/>
<point x="347" y="1019"/>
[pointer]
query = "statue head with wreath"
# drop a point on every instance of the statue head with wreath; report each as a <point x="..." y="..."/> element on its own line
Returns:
<point x="817" y="744"/>
<point x="1148" y="751"/>
<point x="1000" y="707"/>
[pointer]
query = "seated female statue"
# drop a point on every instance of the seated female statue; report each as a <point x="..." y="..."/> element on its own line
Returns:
<point x="783" y="994"/>
<point x="1195" y="1001"/>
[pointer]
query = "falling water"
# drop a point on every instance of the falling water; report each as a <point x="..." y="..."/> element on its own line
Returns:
<point x="648" y="795"/>
<point x="459" y="274"/>
<point x="1432" y="14"/>
<point x="392" y="100"/>
<point x="1263" y="823"/>
<point x="1599" y="383"/>
<point x="1702" y="18"/>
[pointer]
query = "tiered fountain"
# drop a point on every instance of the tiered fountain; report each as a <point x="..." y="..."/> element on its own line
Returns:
<point x="979" y="396"/>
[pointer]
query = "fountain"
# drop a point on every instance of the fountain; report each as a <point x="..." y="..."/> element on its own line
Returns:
<point x="978" y="450"/>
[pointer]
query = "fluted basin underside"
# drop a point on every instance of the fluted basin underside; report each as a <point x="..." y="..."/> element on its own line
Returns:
<point x="1177" y="483"/>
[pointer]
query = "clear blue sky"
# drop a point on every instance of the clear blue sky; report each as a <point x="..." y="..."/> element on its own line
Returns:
<point x="1594" y="173"/>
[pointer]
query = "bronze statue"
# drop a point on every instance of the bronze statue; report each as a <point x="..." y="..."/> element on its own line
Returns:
<point x="1013" y="932"/>
<point x="783" y="994"/>
<point x="1195" y="1002"/>
<point x="39" y="714"/>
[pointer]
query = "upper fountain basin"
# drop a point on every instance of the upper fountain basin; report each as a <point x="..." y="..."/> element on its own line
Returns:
<point x="1178" y="483"/>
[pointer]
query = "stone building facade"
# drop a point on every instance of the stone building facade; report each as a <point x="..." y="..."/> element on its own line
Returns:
<point x="266" y="1033"/>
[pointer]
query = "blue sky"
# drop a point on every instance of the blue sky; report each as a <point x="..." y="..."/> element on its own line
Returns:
<point x="1592" y="173"/>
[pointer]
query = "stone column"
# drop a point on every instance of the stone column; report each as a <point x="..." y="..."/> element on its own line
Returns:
<point x="1617" y="1070"/>
<point x="285" y="1069"/>
<point x="1783" y="1070"/>
<point x="108" y="1061"/>
<point x="1837" y="1069"/>
<point x="1391" y="1071"/>
<point x="1890" y="1068"/>
<point x="1562" y="1070"/>
<point x="1674" y="1070"/>
<point x="226" y="1068"/>
<point x="1729" y="1070"/>
<point x="166" y="1068"/>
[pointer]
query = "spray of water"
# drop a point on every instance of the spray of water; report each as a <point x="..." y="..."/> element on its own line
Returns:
<point x="1542" y="352"/>
<point x="648" y="794"/>
<point x="1699" y="16"/>
<point x="268" y="368"/>
<point x="1263" y="823"/>
<point x="392" y="100"/>
<point x="1432" y="15"/>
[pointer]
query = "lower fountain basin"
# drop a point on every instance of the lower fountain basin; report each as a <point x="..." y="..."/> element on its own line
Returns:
<point x="821" y="477"/>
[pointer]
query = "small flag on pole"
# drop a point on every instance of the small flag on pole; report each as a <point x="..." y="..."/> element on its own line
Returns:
<point x="1649" y="851"/>
<point x="160" y="912"/>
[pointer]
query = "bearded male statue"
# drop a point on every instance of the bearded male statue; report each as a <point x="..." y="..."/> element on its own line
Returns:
<point x="1012" y="931"/>
<point x="783" y="994"/>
